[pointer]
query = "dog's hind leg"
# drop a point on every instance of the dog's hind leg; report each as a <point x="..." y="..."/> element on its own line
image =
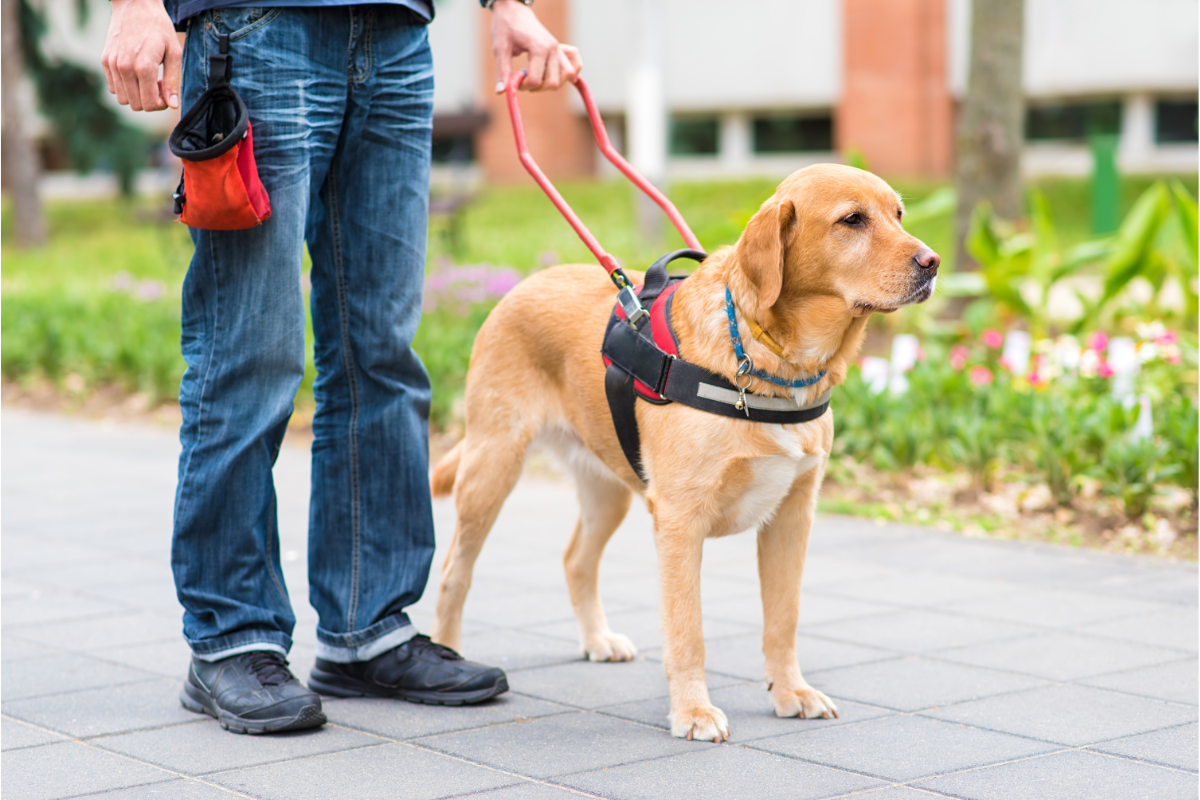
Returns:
<point x="603" y="503"/>
<point x="487" y="472"/>
<point x="782" y="547"/>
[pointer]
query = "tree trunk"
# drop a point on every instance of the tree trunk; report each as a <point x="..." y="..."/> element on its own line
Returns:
<point x="989" y="137"/>
<point x="20" y="158"/>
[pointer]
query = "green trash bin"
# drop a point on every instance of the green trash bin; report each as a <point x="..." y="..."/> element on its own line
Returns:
<point x="1106" y="183"/>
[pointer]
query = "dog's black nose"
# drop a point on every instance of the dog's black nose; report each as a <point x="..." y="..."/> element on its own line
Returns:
<point x="926" y="259"/>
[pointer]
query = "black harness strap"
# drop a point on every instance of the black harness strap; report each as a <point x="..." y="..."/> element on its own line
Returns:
<point x="635" y="356"/>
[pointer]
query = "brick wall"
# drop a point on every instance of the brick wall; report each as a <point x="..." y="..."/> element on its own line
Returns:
<point x="896" y="106"/>
<point x="559" y="138"/>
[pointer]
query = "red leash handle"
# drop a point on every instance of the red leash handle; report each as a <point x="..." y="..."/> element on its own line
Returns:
<point x="608" y="262"/>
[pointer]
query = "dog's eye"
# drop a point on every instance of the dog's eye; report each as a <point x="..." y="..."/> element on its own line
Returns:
<point x="853" y="220"/>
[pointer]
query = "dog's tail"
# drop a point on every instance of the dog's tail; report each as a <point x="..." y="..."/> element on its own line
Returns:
<point x="446" y="471"/>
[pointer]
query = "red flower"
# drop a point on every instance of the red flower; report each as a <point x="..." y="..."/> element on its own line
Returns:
<point x="980" y="376"/>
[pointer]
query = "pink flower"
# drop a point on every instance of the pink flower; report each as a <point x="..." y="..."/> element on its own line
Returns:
<point x="958" y="357"/>
<point x="1104" y="370"/>
<point x="920" y="353"/>
<point x="980" y="376"/>
<point x="1005" y="363"/>
<point x="1170" y="337"/>
<point x="993" y="338"/>
<point x="1098" y="341"/>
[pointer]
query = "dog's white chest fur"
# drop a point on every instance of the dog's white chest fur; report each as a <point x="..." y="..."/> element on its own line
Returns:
<point x="772" y="478"/>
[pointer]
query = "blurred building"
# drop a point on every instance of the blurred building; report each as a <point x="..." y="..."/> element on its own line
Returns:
<point x="766" y="86"/>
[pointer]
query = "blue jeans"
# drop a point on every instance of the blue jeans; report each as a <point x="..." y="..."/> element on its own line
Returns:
<point x="341" y="106"/>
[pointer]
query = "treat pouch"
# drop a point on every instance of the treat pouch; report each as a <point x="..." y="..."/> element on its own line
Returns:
<point x="220" y="189"/>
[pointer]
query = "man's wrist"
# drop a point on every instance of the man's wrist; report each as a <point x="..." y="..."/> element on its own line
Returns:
<point x="489" y="3"/>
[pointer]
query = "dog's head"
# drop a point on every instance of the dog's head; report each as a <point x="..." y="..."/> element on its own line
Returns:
<point x="833" y="232"/>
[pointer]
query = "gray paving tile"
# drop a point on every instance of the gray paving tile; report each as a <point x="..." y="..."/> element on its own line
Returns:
<point x="132" y="706"/>
<point x="396" y="719"/>
<point x="16" y="734"/>
<point x="741" y="656"/>
<point x="561" y="744"/>
<point x="1070" y="715"/>
<point x="526" y="790"/>
<point x="822" y="605"/>
<point x="644" y="628"/>
<point x="54" y="606"/>
<point x="719" y="771"/>
<point x="1072" y="775"/>
<point x="1172" y="747"/>
<point x="204" y="747"/>
<point x="749" y="711"/>
<point x="1159" y="585"/>
<point x="911" y="684"/>
<point x="903" y="748"/>
<point x="182" y="789"/>
<point x="68" y="769"/>
<point x="585" y="684"/>
<point x="386" y="772"/>
<point x="35" y="677"/>
<point x="500" y="605"/>
<point x="105" y="632"/>
<point x="108" y="570"/>
<point x="21" y="552"/>
<point x="14" y="649"/>
<point x="167" y="658"/>
<point x="1054" y="608"/>
<point x="1176" y="681"/>
<point x="512" y="650"/>
<point x="916" y="631"/>
<point x="920" y="589"/>
<point x="156" y="597"/>
<point x="1167" y="627"/>
<point x="1061" y="656"/>
<point x="893" y="793"/>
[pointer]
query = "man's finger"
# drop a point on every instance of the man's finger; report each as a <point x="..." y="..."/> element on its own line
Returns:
<point x="573" y="58"/>
<point x="553" y="78"/>
<point x="108" y="78"/>
<point x="172" y="74"/>
<point x="147" y="78"/>
<point x="127" y="75"/>
<point x="502" y="51"/>
<point x="537" y="70"/>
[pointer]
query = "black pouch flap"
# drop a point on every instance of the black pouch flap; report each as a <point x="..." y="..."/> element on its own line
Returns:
<point x="635" y="355"/>
<point x="214" y="124"/>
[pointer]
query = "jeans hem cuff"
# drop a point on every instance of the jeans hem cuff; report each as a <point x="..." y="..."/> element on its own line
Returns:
<point x="340" y="654"/>
<point x="243" y="648"/>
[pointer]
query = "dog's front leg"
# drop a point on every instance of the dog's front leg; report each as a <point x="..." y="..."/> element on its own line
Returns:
<point x="680" y="546"/>
<point x="782" y="546"/>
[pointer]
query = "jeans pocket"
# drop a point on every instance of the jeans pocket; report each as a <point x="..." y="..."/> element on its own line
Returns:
<point x="239" y="22"/>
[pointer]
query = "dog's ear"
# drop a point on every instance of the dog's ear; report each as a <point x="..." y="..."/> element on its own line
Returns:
<point x="762" y="250"/>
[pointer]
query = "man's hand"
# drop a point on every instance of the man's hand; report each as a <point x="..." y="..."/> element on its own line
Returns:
<point x="140" y="39"/>
<point x="516" y="30"/>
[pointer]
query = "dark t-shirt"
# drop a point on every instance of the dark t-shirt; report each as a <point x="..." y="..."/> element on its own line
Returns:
<point x="181" y="10"/>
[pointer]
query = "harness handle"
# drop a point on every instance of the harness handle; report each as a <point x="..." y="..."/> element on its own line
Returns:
<point x="607" y="261"/>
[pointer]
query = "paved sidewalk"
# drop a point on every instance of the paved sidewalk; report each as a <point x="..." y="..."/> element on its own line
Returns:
<point x="963" y="668"/>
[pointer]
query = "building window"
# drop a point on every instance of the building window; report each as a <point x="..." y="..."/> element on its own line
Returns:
<point x="1072" y="121"/>
<point x="793" y="134"/>
<point x="1175" y="121"/>
<point x="695" y="137"/>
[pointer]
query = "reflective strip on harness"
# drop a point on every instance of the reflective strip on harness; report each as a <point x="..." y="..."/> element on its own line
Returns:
<point x="707" y="390"/>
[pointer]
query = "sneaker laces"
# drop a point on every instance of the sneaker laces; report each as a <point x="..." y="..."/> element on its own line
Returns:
<point x="440" y="650"/>
<point x="269" y="667"/>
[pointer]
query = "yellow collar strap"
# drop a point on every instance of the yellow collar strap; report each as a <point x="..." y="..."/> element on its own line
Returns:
<point x="761" y="335"/>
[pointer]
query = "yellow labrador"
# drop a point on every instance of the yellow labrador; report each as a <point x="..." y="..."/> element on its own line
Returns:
<point x="823" y="253"/>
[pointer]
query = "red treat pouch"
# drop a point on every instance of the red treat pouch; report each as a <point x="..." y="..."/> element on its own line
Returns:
<point x="220" y="189"/>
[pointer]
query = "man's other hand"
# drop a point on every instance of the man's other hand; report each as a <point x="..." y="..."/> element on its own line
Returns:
<point x="516" y="30"/>
<point x="140" y="39"/>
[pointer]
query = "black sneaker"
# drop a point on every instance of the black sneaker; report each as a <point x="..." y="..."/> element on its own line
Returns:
<point x="418" y="671"/>
<point x="251" y="692"/>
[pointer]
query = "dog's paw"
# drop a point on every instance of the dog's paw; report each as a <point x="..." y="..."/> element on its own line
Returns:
<point x="609" y="647"/>
<point x="805" y="703"/>
<point x="706" y="724"/>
